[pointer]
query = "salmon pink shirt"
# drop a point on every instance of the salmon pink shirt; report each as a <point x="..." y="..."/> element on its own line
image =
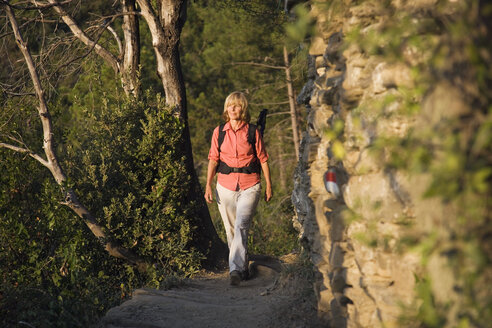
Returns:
<point x="236" y="151"/>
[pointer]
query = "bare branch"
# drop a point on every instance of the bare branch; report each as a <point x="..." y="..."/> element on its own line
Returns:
<point x="20" y="27"/>
<point x="18" y="94"/>
<point x="126" y="63"/>
<point x="113" y="16"/>
<point x="84" y="38"/>
<point x="272" y="103"/>
<point x="88" y="52"/>
<point x="35" y="7"/>
<point x="279" y="113"/>
<point x="14" y="148"/>
<point x="258" y="64"/>
<point x="16" y="140"/>
<point x="44" y="31"/>
<point x="5" y="34"/>
<point x="7" y="121"/>
<point x="117" y="38"/>
<point x="27" y="151"/>
<point x="43" y="107"/>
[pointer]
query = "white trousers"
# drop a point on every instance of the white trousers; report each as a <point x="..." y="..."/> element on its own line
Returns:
<point x="237" y="209"/>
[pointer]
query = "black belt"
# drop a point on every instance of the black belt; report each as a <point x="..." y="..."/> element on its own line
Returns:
<point x="253" y="167"/>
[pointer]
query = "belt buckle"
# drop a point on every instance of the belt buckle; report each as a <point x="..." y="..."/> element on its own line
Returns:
<point x="236" y="169"/>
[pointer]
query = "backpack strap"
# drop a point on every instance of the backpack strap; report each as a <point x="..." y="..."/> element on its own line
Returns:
<point x="221" y="135"/>
<point x="252" y="137"/>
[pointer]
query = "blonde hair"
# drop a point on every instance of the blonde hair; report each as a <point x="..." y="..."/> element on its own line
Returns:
<point x="237" y="98"/>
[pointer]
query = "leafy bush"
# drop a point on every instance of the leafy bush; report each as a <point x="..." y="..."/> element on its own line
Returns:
<point x="122" y="160"/>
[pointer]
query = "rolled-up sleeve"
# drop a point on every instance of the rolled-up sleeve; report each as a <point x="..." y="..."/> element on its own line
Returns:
<point x="213" y="154"/>
<point x="260" y="148"/>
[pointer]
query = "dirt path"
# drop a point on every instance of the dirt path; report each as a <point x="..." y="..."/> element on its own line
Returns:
<point x="268" y="300"/>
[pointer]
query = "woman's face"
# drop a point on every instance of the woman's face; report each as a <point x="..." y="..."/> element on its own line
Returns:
<point x="234" y="112"/>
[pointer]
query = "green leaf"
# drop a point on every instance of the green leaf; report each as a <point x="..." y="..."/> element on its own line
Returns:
<point x="338" y="150"/>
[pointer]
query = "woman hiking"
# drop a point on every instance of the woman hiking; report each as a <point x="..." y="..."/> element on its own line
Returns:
<point x="238" y="155"/>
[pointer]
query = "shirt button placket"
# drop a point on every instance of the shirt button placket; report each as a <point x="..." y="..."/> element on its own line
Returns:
<point x="237" y="158"/>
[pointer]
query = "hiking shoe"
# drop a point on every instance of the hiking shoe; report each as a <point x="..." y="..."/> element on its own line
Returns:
<point x="245" y="275"/>
<point x="235" y="278"/>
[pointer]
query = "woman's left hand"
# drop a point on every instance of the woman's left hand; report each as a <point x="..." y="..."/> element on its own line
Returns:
<point x="268" y="193"/>
<point x="268" y="181"/>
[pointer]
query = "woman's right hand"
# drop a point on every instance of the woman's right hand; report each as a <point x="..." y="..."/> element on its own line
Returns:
<point x="208" y="194"/>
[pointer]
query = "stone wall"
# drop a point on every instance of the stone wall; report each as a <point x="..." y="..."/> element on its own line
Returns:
<point x="365" y="276"/>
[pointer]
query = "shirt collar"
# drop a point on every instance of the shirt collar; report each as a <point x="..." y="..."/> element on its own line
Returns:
<point x="227" y="126"/>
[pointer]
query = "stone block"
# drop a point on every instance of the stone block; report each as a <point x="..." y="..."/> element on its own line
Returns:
<point x="305" y="95"/>
<point x="361" y="162"/>
<point x="365" y="9"/>
<point x="373" y="196"/>
<point x="414" y="4"/>
<point x="317" y="47"/>
<point x="333" y="80"/>
<point x="428" y="211"/>
<point x="385" y="76"/>
<point x="320" y="62"/>
<point x="330" y="79"/>
<point x="394" y="126"/>
<point x="323" y="97"/>
<point x="323" y="223"/>
<point x="367" y="163"/>
<point x="320" y="119"/>
<point x="325" y="297"/>
<point x="334" y="214"/>
<point x="321" y="71"/>
<point x="353" y="54"/>
<point x="357" y="134"/>
<point x="352" y="89"/>
<point x="350" y="160"/>
<point x="313" y="148"/>
<point x="443" y="103"/>
<point x="332" y="53"/>
<point x="336" y="256"/>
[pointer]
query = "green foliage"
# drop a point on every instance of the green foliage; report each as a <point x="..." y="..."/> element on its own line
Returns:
<point x="139" y="193"/>
<point x="124" y="161"/>
<point x="49" y="262"/>
<point x="428" y="311"/>
<point x="272" y="231"/>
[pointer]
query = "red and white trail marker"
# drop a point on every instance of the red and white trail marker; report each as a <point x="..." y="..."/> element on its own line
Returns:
<point x="331" y="182"/>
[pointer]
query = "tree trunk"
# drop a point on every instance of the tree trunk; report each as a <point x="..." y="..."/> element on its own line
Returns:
<point x="292" y="103"/>
<point x="111" y="246"/>
<point x="131" y="55"/>
<point x="281" y="164"/>
<point x="165" y="27"/>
